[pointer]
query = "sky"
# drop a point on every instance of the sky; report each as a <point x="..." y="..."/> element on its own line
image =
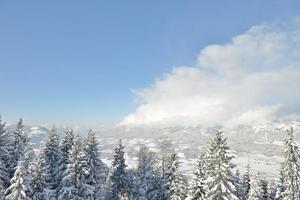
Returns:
<point x="139" y="62"/>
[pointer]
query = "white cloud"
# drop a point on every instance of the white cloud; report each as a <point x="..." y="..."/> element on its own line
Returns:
<point x="254" y="78"/>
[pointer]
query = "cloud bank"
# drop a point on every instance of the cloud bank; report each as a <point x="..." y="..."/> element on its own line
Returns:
<point x="255" y="78"/>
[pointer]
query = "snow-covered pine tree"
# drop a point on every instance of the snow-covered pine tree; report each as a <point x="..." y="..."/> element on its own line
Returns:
<point x="20" y="143"/>
<point x="272" y="190"/>
<point x="246" y="182"/>
<point x="38" y="183"/>
<point x="256" y="191"/>
<point x="238" y="182"/>
<point x="291" y="167"/>
<point x="66" y="145"/>
<point x="220" y="181"/>
<point x="95" y="169"/>
<point x="264" y="186"/>
<point x="28" y="159"/>
<point x="73" y="184"/>
<point x="27" y="163"/>
<point x="166" y="151"/>
<point x="119" y="186"/>
<point x="177" y="189"/>
<point x="146" y="186"/>
<point x="51" y="161"/>
<point x="280" y="190"/>
<point x="197" y="190"/>
<point x="5" y="148"/>
<point x="20" y="183"/>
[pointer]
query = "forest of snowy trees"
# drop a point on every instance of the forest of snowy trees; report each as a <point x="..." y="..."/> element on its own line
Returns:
<point x="71" y="169"/>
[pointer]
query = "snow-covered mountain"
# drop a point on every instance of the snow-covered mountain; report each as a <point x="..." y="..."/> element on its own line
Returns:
<point x="260" y="144"/>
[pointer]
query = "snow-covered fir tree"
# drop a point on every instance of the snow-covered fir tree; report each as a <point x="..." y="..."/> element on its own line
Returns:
<point x="38" y="183"/>
<point x="220" y="181"/>
<point x="28" y="159"/>
<point x="66" y="145"/>
<point x="119" y="182"/>
<point x="73" y="183"/>
<point x="280" y="189"/>
<point x="5" y="149"/>
<point x="146" y="182"/>
<point x="291" y="168"/>
<point x="264" y="186"/>
<point x="272" y="188"/>
<point x="197" y="190"/>
<point x="51" y="161"/>
<point x="95" y="169"/>
<point x="246" y="182"/>
<point x="20" y="142"/>
<point x="177" y="190"/>
<point x="238" y="182"/>
<point x="256" y="191"/>
<point x="166" y="151"/>
<point x="20" y="184"/>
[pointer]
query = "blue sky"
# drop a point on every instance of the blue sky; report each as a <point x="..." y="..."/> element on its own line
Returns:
<point x="74" y="62"/>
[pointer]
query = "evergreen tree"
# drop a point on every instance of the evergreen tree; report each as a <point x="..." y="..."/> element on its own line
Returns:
<point x="5" y="148"/>
<point x="73" y="184"/>
<point x="197" y="191"/>
<point x="176" y="186"/>
<point x="28" y="159"/>
<point x="272" y="190"/>
<point x="65" y="149"/>
<point x="20" y="184"/>
<point x="256" y="191"/>
<point x="119" y="187"/>
<point x="146" y="185"/>
<point x="280" y="185"/>
<point x="291" y="166"/>
<point x="38" y="183"/>
<point x="166" y="152"/>
<point x="95" y="169"/>
<point x="51" y="161"/>
<point x="66" y="146"/>
<point x="220" y="181"/>
<point x="264" y="187"/>
<point x="238" y="182"/>
<point x="246" y="182"/>
<point x="20" y="143"/>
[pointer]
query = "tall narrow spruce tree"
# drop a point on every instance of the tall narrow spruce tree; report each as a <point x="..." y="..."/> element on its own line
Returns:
<point x="146" y="183"/>
<point x="246" y="182"/>
<point x="177" y="189"/>
<point x="20" y="142"/>
<point x="198" y="190"/>
<point x="280" y="190"/>
<point x="94" y="167"/>
<point x="291" y="167"/>
<point x="38" y="183"/>
<point x="51" y="161"/>
<point x="20" y="187"/>
<point x="5" y="149"/>
<point x="66" y="145"/>
<point x="119" y="186"/>
<point x="73" y="185"/>
<point x="220" y="181"/>
<point x="256" y="191"/>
